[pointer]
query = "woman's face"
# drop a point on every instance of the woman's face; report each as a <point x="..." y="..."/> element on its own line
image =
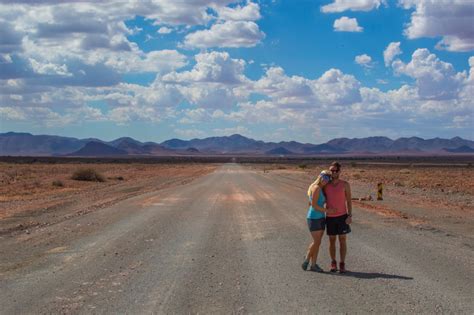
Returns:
<point x="324" y="181"/>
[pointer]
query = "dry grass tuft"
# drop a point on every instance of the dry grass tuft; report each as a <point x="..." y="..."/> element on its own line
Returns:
<point x="88" y="174"/>
<point x="57" y="183"/>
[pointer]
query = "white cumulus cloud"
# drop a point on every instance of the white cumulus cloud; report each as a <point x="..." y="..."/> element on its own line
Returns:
<point x="249" y="12"/>
<point x="345" y="24"/>
<point x="392" y="50"/>
<point x="49" y="68"/>
<point x="215" y="80"/>
<point x="153" y="61"/>
<point x="353" y="5"/>
<point x="363" y="60"/>
<point x="435" y="78"/>
<point x="450" y="19"/>
<point x="228" y="34"/>
<point x="337" y="88"/>
<point x="12" y="113"/>
<point x="216" y="67"/>
<point x="164" y="30"/>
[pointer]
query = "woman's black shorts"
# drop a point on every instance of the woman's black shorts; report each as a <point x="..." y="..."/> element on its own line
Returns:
<point x="337" y="225"/>
<point x="316" y="224"/>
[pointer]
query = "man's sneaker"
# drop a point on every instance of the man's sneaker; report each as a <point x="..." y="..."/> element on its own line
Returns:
<point x="333" y="266"/>
<point x="316" y="268"/>
<point x="342" y="267"/>
<point x="305" y="264"/>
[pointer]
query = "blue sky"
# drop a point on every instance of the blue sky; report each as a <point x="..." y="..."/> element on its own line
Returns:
<point x="272" y="70"/>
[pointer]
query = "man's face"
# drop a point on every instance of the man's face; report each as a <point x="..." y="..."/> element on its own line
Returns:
<point x="335" y="172"/>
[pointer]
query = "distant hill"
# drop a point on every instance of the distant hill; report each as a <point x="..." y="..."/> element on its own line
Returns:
<point x="192" y="150"/>
<point x="461" y="149"/>
<point x="18" y="144"/>
<point x="323" y="149"/>
<point x="130" y="146"/>
<point x="279" y="151"/>
<point x="15" y="143"/>
<point x="370" y="144"/>
<point x="429" y="145"/>
<point x="124" y="140"/>
<point x="134" y="147"/>
<point x="95" y="148"/>
<point x="234" y="143"/>
<point x="176" y="144"/>
<point x="156" y="149"/>
<point x="410" y="145"/>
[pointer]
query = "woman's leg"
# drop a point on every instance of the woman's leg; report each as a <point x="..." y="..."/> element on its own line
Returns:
<point x="308" y="252"/>
<point x="314" y="247"/>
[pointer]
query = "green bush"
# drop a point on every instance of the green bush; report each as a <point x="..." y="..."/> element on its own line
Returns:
<point x="88" y="174"/>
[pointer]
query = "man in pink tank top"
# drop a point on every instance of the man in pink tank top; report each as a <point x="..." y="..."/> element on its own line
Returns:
<point x="338" y="196"/>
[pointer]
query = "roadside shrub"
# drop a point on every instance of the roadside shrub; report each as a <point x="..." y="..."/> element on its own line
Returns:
<point x="88" y="174"/>
<point x="11" y="176"/>
<point x="120" y="178"/>
<point x="399" y="184"/>
<point x="302" y="166"/>
<point x="58" y="183"/>
<point x="353" y="164"/>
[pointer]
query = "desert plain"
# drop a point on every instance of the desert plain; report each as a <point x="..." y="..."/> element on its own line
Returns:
<point x="230" y="236"/>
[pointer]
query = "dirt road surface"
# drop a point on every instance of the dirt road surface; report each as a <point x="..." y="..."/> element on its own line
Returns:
<point x="230" y="242"/>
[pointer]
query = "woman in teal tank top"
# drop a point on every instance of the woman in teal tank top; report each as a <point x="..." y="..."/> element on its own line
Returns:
<point x="316" y="218"/>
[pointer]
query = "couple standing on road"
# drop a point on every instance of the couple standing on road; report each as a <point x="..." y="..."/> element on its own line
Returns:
<point x="330" y="208"/>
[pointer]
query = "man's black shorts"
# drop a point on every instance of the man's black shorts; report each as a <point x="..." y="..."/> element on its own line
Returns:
<point x="337" y="225"/>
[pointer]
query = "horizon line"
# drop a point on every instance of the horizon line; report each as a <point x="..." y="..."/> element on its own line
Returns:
<point x="235" y="134"/>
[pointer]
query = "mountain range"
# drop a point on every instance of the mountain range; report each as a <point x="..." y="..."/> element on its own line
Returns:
<point x="26" y="144"/>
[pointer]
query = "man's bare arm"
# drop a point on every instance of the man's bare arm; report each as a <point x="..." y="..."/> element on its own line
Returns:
<point x="348" y="198"/>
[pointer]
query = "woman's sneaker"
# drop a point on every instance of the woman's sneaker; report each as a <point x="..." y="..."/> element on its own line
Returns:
<point x="342" y="267"/>
<point x="316" y="268"/>
<point x="305" y="264"/>
<point x="333" y="266"/>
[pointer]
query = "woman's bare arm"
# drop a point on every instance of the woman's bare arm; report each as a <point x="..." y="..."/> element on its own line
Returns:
<point x="314" y="200"/>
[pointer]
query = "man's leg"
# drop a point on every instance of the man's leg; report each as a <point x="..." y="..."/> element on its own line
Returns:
<point x="332" y="247"/>
<point x="342" y="247"/>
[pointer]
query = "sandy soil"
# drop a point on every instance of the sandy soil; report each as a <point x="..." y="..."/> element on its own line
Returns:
<point x="29" y="198"/>
<point x="452" y="187"/>
<point x="233" y="242"/>
<point x="437" y="198"/>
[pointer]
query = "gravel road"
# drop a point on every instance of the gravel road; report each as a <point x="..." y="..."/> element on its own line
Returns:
<point x="232" y="242"/>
